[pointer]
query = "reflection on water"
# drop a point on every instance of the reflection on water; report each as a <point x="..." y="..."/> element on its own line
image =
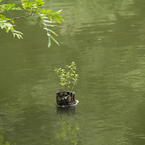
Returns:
<point x="2" y="140"/>
<point x="66" y="111"/>
<point x="67" y="128"/>
<point x="68" y="131"/>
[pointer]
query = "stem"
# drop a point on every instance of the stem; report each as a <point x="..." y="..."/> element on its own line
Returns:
<point x="28" y="5"/>
<point x="19" y="17"/>
<point x="73" y="86"/>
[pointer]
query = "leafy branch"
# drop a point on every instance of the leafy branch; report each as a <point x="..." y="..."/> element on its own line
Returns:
<point x="32" y="8"/>
<point x="67" y="76"/>
<point x="19" y="18"/>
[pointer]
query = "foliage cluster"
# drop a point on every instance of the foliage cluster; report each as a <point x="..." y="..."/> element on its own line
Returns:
<point x="47" y="17"/>
<point x="67" y="76"/>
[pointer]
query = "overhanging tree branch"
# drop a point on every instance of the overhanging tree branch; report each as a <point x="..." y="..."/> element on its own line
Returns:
<point x="19" y="17"/>
<point x="46" y="16"/>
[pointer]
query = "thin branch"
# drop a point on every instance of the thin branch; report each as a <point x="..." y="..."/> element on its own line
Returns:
<point x="19" y="17"/>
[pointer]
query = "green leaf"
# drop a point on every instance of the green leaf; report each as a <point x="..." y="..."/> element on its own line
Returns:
<point x="60" y="18"/>
<point x="59" y="11"/>
<point x="56" y="18"/>
<point x="54" y="40"/>
<point x="18" y="36"/>
<point x="44" y="17"/>
<point x="18" y="8"/>
<point x="48" y="25"/>
<point x="49" y="41"/>
<point x="2" y="17"/>
<point x="14" y="35"/>
<point x="36" y="11"/>
<point x="7" y="30"/>
<point x="45" y="12"/>
<point x="36" y="21"/>
<point x="12" y="6"/>
<point x="48" y="34"/>
<point x="50" y="31"/>
<point x="17" y="32"/>
<point x="47" y="21"/>
<point x="48" y="11"/>
<point x="39" y="3"/>
<point x="50" y="17"/>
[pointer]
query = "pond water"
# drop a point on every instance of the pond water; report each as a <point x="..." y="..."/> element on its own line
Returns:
<point x="106" y="39"/>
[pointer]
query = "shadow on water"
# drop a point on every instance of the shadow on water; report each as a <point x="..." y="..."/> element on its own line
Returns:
<point x="66" y="111"/>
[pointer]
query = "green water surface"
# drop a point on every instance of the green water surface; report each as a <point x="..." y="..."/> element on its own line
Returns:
<point x="106" y="39"/>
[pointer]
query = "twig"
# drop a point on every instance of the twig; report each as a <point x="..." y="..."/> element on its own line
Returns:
<point x="19" y="17"/>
